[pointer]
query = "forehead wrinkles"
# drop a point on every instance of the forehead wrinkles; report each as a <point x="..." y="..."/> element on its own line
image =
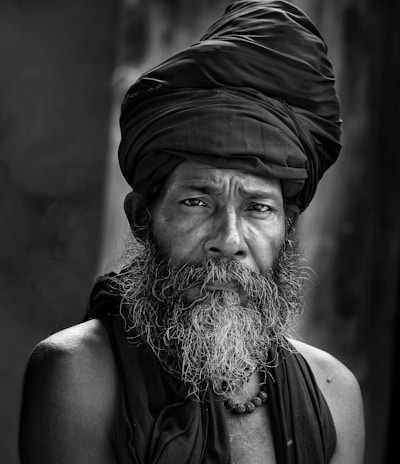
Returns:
<point x="211" y="180"/>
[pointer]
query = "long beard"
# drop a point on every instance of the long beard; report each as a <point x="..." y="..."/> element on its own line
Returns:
<point x="204" y="337"/>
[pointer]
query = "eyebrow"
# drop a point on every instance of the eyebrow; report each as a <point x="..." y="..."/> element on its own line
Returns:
<point x="210" y="189"/>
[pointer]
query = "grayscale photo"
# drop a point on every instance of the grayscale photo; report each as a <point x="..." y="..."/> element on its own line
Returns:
<point x="200" y="233"/>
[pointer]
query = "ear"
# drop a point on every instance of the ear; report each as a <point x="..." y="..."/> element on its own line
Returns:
<point x="135" y="210"/>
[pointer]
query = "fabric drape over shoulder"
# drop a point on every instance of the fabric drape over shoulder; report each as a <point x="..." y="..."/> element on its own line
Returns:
<point x="157" y="423"/>
<point x="256" y="93"/>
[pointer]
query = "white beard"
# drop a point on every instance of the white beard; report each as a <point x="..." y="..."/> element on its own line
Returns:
<point x="220" y="338"/>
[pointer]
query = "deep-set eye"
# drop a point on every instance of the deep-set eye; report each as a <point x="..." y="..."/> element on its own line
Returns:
<point x="194" y="202"/>
<point x="260" y="208"/>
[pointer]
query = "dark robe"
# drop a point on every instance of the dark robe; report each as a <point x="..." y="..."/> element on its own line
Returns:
<point x="159" y="424"/>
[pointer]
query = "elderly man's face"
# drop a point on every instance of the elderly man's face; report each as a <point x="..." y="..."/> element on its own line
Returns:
<point x="204" y="212"/>
<point x="199" y="290"/>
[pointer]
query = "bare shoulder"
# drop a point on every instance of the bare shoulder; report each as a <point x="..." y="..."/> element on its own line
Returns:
<point x="80" y="353"/>
<point x="342" y="392"/>
<point x="70" y="390"/>
<point x="328" y="370"/>
<point x="83" y="341"/>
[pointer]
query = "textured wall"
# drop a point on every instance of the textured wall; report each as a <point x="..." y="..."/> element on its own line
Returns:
<point x="55" y="71"/>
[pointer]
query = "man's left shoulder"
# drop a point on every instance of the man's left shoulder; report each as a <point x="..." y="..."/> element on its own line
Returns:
<point x="328" y="370"/>
<point x="342" y="392"/>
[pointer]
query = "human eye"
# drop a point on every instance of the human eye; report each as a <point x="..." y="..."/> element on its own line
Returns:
<point x="260" y="208"/>
<point x="194" y="202"/>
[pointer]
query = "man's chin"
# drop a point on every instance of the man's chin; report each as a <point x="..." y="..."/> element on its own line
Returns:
<point x="193" y="294"/>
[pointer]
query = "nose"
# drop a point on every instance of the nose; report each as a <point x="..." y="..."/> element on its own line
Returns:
<point x="226" y="240"/>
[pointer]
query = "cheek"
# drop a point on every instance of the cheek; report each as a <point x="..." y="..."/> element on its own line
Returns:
<point x="265" y="247"/>
<point x="176" y="240"/>
<point x="163" y="235"/>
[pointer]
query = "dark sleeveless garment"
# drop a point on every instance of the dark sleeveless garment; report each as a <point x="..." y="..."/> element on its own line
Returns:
<point x="158" y="424"/>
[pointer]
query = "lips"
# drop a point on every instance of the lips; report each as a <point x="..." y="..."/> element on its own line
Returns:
<point x="198" y="292"/>
<point x="224" y="286"/>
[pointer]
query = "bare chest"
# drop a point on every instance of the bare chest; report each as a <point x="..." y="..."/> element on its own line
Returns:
<point x="251" y="438"/>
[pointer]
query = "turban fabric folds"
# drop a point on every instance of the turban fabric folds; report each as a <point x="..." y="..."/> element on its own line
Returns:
<point x="255" y="93"/>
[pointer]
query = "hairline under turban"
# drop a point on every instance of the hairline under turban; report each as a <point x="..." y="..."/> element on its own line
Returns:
<point x="244" y="97"/>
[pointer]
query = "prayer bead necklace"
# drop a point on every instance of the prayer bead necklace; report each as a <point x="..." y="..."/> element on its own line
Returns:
<point x="249" y="406"/>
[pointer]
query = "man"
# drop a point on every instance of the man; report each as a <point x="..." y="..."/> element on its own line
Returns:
<point x="185" y="356"/>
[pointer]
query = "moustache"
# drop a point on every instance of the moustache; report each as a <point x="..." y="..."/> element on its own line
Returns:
<point x="208" y="276"/>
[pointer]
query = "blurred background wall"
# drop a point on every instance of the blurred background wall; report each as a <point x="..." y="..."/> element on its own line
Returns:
<point x="63" y="71"/>
<point x="56" y="65"/>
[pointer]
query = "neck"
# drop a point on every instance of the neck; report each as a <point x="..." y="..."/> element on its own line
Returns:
<point x="251" y="388"/>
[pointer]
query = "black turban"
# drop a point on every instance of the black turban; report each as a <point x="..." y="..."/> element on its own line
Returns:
<point x="255" y="93"/>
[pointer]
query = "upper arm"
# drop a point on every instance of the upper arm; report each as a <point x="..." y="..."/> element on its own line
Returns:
<point x="344" y="398"/>
<point x="67" y="405"/>
<point x="343" y="395"/>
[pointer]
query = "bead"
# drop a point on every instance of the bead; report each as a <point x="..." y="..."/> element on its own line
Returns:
<point x="240" y="408"/>
<point x="256" y="401"/>
<point x="250" y="407"/>
<point x="263" y="395"/>
<point x="229" y="403"/>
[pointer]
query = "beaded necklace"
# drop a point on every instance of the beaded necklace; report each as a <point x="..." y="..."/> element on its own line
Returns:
<point x="249" y="406"/>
